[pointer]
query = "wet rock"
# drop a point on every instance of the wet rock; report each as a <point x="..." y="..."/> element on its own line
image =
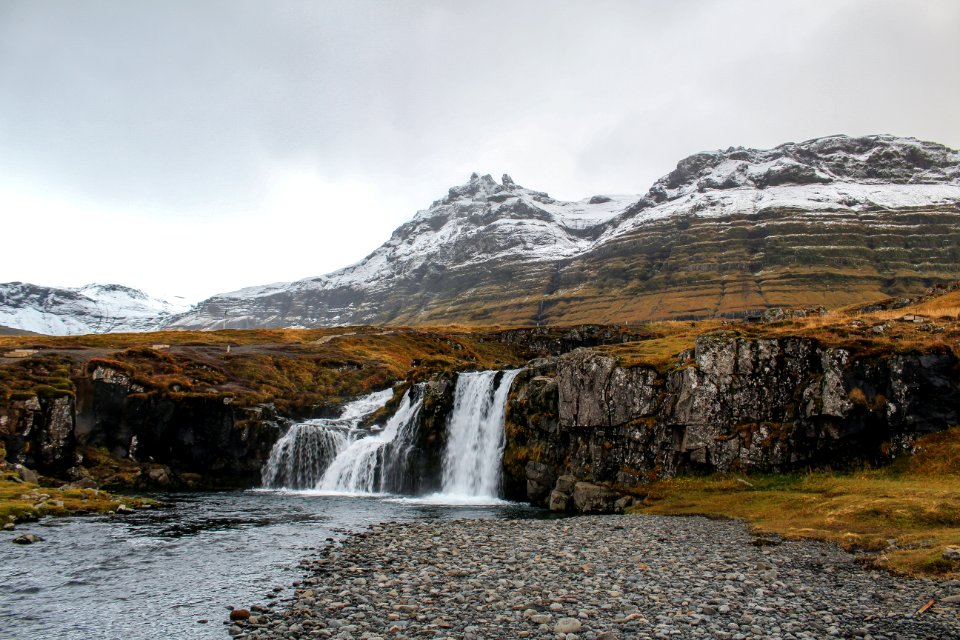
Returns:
<point x="27" y="475"/>
<point x="27" y="538"/>
<point x="565" y="484"/>
<point x="560" y="501"/>
<point x="159" y="476"/>
<point x="240" y="614"/>
<point x="540" y="480"/>
<point x="81" y="483"/>
<point x="124" y="510"/>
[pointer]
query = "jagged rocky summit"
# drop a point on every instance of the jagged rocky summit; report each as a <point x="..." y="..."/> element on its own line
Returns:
<point x="831" y="221"/>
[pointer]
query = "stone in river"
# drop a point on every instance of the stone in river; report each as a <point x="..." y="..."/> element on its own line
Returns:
<point x="27" y="538"/>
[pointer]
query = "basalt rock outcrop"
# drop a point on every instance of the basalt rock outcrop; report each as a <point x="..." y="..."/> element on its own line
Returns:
<point x="180" y="439"/>
<point x="415" y="464"/>
<point x="732" y="403"/>
<point x="38" y="432"/>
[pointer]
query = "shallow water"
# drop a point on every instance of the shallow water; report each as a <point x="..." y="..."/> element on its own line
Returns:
<point x="156" y="573"/>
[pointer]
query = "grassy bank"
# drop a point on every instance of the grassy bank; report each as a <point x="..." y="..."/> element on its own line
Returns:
<point x="26" y="501"/>
<point x="905" y="514"/>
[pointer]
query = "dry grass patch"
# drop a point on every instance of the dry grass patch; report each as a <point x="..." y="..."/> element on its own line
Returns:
<point x="21" y="501"/>
<point x="906" y="514"/>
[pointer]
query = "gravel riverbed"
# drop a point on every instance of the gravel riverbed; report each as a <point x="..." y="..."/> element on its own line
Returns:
<point x="596" y="578"/>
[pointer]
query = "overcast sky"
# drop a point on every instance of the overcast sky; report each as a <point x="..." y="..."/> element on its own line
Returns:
<point x="191" y="148"/>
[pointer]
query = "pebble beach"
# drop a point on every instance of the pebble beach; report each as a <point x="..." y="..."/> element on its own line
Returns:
<point x="595" y="578"/>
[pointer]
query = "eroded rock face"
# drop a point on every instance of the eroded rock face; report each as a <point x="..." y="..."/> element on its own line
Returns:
<point x="595" y="392"/>
<point x="733" y="403"/>
<point x="38" y="432"/>
<point x="198" y="434"/>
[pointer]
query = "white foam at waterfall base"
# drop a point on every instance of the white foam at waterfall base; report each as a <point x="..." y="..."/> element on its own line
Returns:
<point x="298" y="459"/>
<point x="359" y="468"/>
<point x="473" y="456"/>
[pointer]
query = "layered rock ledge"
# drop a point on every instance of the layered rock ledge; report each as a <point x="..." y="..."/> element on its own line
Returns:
<point x="596" y="578"/>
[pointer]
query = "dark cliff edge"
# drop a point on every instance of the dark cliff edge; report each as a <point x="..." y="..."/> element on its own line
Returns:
<point x="111" y="433"/>
<point x="598" y="412"/>
<point x="193" y="415"/>
<point x="584" y="432"/>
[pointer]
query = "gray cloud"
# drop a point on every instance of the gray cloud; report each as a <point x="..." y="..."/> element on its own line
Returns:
<point x="184" y="110"/>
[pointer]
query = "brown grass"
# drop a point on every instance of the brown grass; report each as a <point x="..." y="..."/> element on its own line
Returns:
<point x="906" y="514"/>
<point x="25" y="501"/>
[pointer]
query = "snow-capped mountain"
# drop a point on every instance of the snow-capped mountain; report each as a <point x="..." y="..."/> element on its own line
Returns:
<point x="835" y="172"/>
<point x="475" y="227"/>
<point x="830" y="221"/>
<point x="94" y="308"/>
<point x="833" y="220"/>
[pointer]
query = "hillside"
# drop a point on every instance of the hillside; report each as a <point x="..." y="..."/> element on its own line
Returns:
<point x="828" y="222"/>
<point x="832" y="221"/>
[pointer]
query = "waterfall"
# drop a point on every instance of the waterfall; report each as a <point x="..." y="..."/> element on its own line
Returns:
<point x="299" y="458"/>
<point x="337" y="456"/>
<point x="475" y="436"/>
<point x="366" y="465"/>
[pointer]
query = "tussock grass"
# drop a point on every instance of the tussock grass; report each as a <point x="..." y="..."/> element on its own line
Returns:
<point x="21" y="501"/>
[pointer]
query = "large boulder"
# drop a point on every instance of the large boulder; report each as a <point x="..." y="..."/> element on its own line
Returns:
<point x="592" y="498"/>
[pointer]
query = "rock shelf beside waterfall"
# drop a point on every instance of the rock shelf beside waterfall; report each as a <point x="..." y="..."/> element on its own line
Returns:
<point x="596" y="578"/>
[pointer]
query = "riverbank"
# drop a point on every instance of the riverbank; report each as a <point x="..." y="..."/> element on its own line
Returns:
<point x="24" y="499"/>
<point x="597" y="578"/>
<point x="907" y="514"/>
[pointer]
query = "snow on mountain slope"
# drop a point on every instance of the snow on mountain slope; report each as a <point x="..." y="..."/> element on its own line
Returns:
<point x="476" y="222"/>
<point x="482" y="227"/>
<point x="499" y="252"/>
<point x="94" y="308"/>
<point x="836" y="173"/>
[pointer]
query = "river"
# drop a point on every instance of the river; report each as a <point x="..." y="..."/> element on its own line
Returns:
<point x="157" y="573"/>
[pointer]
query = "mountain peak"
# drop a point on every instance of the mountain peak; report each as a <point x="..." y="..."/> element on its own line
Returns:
<point x="723" y="233"/>
<point x="874" y="159"/>
<point x="477" y="187"/>
<point x="92" y="308"/>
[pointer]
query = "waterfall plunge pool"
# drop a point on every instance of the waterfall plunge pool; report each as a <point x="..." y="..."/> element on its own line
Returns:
<point x="156" y="573"/>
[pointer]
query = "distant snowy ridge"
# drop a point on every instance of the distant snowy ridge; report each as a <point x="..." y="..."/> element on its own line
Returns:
<point x="832" y="173"/>
<point x="93" y="308"/>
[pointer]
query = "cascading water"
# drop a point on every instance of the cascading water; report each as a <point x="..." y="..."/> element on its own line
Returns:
<point x="475" y="436"/>
<point x="299" y="458"/>
<point x="367" y="465"/>
<point x="335" y="456"/>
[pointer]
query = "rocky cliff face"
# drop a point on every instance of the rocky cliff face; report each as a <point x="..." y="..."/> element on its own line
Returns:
<point x="733" y="403"/>
<point x="831" y="221"/>
<point x="38" y="431"/>
<point x="180" y="440"/>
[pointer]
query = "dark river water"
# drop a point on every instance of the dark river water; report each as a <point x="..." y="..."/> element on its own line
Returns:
<point x="155" y="574"/>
